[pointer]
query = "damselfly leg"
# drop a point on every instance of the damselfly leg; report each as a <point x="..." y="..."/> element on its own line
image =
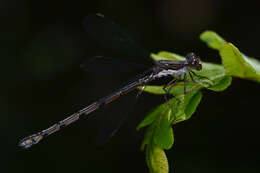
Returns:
<point x="167" y="95"/>
<point x="200" y="77"/>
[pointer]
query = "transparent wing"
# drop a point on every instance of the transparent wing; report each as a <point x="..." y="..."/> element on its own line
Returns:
<point x="115" y="118"/>
<point x="103" y="65"/>
<point x="111" y="36"/>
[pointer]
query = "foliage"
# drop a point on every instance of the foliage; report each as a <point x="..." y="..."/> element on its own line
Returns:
<point x="159" y="133"/>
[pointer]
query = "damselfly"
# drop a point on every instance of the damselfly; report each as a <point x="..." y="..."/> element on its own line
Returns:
<point x="161" y="68"/>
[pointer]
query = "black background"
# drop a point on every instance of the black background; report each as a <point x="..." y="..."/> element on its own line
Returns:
<point x="42" y="46"/>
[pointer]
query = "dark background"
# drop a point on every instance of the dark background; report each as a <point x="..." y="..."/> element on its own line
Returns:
<point x="42" y="46"/>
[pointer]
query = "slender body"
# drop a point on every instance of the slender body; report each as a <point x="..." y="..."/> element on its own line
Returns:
<point x="160" y="69"/>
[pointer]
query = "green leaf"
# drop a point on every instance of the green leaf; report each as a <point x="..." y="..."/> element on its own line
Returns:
<point x="236" y="63"/>
<point x="159" y="134"/>
<point x="148" y="136"/>
<point x="163" y="55"/>
<point x="221" y="83"/>
<point x="255" y="63"/>
<point x="181" y="105"/>
<point x="156" y="159"/>
<point x="186" y="106"/>
<point x="160" y="131"/>
<point x="212" y="39"/>
<point x="163" y="133"/>
<point x="191" y="103"/>
<point x="176" y="90"/>
<point x="239" y="65"/>
<point x="153" y="115"/>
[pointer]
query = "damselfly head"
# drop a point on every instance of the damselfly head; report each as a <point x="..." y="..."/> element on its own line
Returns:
<point x="193" y="61"/>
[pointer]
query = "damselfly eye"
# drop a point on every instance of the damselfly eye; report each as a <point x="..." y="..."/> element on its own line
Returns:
<point x="193" y="61"/>
<point x="191" y="58"/>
